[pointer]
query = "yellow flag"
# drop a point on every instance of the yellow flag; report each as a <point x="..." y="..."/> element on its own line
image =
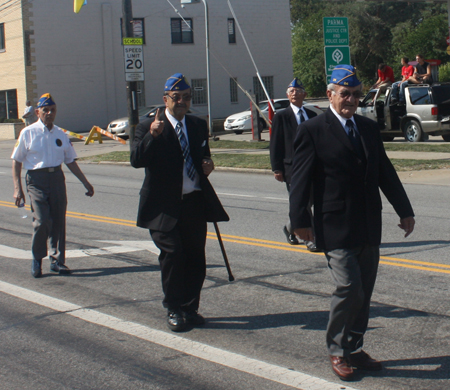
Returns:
<point x="77" y="4"/>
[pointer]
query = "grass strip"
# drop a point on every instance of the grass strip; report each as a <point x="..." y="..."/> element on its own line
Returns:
<point x="259" y="161"/>
<point x="239" y="144"/>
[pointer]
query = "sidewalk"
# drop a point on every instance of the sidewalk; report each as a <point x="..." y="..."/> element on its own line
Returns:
<point x="435" y="176"/>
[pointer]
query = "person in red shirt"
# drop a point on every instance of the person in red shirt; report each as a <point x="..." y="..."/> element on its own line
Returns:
<point x="385" y="77"/>
<point x="398" y="88"/>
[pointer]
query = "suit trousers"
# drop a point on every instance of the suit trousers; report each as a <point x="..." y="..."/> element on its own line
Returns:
<point x="354" y="272"/>
<point x="48" y="198"/>
<point x="310" y="212"/>
<point x="182" y="258"/>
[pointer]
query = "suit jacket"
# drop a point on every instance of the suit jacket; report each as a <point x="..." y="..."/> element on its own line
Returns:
<point x="162" y="158"/>
<point x="284" y="128"/>
<point x="347" y="202"/>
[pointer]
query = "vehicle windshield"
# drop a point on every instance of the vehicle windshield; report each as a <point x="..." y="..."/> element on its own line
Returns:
<point x="146" y="110"/>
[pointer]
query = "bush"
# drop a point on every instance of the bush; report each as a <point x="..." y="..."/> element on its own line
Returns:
<point x="6" y="120"/>
<point x="444" y="73"/>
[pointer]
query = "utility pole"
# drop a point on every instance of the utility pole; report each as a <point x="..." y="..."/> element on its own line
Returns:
<point x="132" y="103"/>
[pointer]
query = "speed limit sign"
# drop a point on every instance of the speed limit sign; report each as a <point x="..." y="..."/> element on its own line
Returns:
<point x="134" y="62"/>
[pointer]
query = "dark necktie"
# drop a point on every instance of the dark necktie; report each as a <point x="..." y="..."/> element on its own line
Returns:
<point x="185" y="149"/>
<point x="300" y="114"/>
<point x="355" y="138"/>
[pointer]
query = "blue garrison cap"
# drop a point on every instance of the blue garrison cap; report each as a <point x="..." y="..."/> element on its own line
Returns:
<point x="45" y="100"/>
<point x="176" y="82"/>
<point x="296" y="84"/>
<point x="344" y="75"/>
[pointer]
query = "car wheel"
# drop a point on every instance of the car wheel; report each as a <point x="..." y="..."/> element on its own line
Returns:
<point x="413" y="131"/>
<point x="387" y="138"/>
<point x="446" y="137"/>
<point x="238" y="131"/>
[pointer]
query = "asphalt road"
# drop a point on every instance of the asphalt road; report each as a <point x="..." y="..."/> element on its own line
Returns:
<point x="104" y="327"/>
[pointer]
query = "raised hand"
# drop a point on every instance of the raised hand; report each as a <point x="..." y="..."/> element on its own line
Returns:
<point x="157" y="125"/>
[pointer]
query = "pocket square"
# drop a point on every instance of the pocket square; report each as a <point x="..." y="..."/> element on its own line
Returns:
<point x="204" y="143"/>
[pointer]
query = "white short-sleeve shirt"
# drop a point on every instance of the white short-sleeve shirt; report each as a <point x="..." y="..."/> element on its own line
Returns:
<point x="38" y="147"/>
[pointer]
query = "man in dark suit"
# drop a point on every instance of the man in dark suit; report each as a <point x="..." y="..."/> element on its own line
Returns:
<point x="177" y="199"/>
<point x="284" y="128"/>
<point x="341" y="157"/>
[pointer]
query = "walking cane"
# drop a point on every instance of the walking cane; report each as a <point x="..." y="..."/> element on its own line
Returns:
<point x="225" y="258"/>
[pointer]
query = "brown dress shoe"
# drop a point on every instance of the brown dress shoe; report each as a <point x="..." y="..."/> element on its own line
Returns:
<point x="363" y="361"/>
<point x="341" y="367"/>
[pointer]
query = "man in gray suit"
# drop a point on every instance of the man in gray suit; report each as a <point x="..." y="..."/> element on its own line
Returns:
<point x="284" y="129"/>
<point x="341" y="157"/>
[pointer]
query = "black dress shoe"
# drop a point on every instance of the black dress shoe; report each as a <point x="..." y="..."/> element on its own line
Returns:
<point x="175" y="321"/>
<point x="193" y="318"/>
<point x="363" y="361"/>
<point x="312" y="246"/>
<point x="291" y="239"/>
<point x="36" y="270"/>
<point x="60" y="269"/>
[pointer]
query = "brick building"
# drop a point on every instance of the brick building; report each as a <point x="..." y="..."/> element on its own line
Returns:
<point x="78" y="58"/>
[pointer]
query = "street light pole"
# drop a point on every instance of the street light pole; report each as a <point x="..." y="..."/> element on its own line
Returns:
<point x="208" y="74"/>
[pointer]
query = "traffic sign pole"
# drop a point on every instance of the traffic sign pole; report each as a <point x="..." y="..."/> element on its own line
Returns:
<point x="132" y="103"/>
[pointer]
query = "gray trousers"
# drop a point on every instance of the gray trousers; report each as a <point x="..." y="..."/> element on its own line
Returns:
<point x="47" y="191"/>
<point x="354" y="272"/>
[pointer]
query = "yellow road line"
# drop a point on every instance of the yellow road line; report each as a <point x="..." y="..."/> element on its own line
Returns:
<point x="386" y="260"/>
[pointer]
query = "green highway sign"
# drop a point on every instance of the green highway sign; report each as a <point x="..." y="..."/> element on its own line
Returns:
<point x="335" y="56"/>
<point x="335" y="31"/>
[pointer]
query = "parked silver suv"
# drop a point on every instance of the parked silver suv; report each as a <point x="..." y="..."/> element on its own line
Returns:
<point x="426" y="112"/>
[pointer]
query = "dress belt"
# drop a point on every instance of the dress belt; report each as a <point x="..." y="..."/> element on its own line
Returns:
<point x="191" y="195"/>
<point x="51" y="169"/>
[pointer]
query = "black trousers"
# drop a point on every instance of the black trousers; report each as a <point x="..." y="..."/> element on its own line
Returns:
<point x="182" y="258"/>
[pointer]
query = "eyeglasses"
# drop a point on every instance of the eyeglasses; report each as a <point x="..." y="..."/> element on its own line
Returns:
<point x="294" y="91"/>
<point x="175" y="97"/>
<point x="345" y="94"/>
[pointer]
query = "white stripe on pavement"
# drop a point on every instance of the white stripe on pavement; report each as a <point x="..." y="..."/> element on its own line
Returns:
<point x="169" y="340"/>
<point x="121" y="247"/>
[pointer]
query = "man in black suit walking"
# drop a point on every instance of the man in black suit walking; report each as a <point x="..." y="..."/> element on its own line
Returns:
<point x="341" y="157"/>
<point x="284" y="128"/>
<point x="177" y="199"/>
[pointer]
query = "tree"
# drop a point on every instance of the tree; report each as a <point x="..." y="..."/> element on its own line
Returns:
<point x="378" y="32"/>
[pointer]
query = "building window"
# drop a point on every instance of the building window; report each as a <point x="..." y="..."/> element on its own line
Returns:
<point x="233" y="90"/>
<point x="2" y="37"/>
<point x="181" y="30"/>
<point x="258" y="89"/>
<point x="138" y="28"/>
<point x="231" y="31"/>
<point x="8" y="104"/>
<point x="199" y="91"/>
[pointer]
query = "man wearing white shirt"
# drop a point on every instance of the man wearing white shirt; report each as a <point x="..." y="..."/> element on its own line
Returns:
<point x="41" y="149"/>
<point x="28" y="114"/>
<point x="284" y="128"/>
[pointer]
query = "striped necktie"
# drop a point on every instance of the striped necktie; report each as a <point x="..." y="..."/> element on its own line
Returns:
<point x="302" y="118"/>
<point x="185" y="149"/>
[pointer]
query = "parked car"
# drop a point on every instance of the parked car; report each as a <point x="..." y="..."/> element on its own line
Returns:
<point x="120" y="126"/>
<point x="242" y="121"/>
<point x="426" y="112"/>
